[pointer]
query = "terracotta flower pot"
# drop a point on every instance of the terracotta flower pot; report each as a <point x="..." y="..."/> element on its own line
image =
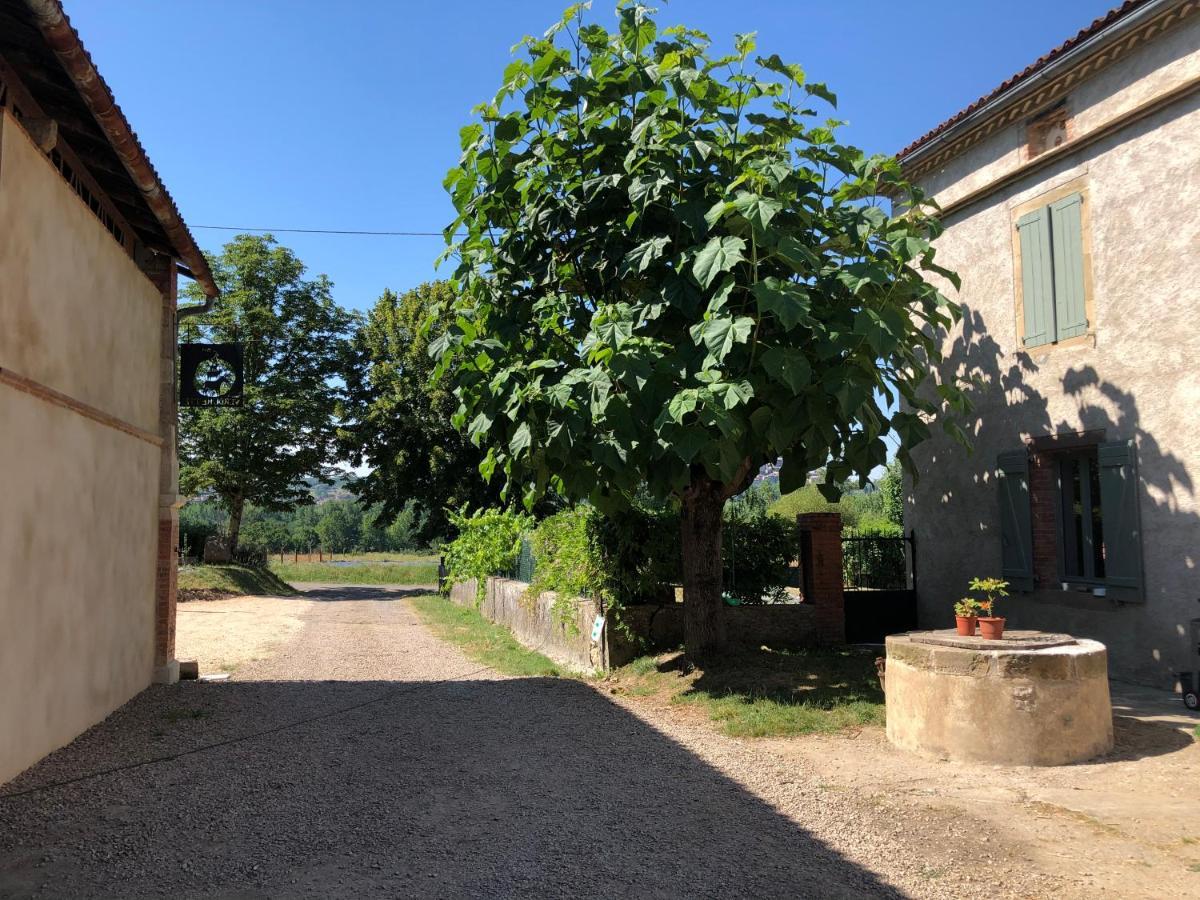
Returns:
<point x="966" y="625"/>
<point x="991" y="627"/>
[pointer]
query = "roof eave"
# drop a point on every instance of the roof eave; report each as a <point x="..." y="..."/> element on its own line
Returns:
<point x="62" y="38"/>
<point x="911" y="159"/>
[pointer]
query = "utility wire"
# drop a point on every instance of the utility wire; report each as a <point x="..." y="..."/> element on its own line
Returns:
<point x="323" y="231"/>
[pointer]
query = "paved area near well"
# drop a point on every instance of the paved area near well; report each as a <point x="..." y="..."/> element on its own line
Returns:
<point x="367" y="758"/>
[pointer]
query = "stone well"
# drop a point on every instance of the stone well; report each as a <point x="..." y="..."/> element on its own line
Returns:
<point x="1029" y="699"/>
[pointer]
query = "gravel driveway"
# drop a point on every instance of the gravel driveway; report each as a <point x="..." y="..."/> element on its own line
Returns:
<point x="367" y="758"/>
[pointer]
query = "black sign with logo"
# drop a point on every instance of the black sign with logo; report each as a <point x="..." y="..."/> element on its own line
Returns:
<point x="210" y="374"/>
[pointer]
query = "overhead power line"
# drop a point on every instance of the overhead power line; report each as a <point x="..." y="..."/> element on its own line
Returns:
<point x="323" y="231"/>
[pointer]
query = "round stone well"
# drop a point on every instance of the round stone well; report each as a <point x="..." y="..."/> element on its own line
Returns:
<point x="1030" y="698"/>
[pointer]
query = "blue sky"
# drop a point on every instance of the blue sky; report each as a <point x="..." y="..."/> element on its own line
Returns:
<point x="308" y="114"/>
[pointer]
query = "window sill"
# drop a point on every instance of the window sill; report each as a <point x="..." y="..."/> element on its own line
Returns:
<point x="1084" y="596"/>
<point x="1087" y="341"/>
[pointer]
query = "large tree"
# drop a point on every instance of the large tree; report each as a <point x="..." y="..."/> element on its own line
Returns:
<point x="294" y="338"/>
<point x="669" y="274"/>
<point x="399" y="423"/>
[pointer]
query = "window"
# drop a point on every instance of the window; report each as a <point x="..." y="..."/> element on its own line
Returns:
<point x="1095" y="539"/>
<point x="1081" y="517"/>
<point x="1054" y="279"/>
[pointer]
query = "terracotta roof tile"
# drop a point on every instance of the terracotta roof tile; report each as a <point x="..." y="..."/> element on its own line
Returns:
<point x="1096" y="27"/>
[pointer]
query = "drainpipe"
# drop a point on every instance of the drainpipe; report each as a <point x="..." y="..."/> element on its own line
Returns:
<point x="200" y="309"/>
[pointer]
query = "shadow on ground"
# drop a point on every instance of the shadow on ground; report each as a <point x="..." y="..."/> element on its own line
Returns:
<point x="821" y="678"/>
<point x="528" y="787"/>
<point x="337" y="592"/>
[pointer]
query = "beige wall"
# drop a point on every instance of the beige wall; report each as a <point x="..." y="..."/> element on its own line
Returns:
<point x="78" y="524"/>
<point x="1136" y="378"/>
<point x="76" y="313"/>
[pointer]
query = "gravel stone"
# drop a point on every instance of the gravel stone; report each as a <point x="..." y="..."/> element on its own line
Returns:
<point x="367" y="758"/>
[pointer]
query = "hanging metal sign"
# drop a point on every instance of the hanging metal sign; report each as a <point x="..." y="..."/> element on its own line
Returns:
<point x="210" y="374"/>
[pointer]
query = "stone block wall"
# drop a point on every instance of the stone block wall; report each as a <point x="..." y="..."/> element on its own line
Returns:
<point x="644" y="629"/>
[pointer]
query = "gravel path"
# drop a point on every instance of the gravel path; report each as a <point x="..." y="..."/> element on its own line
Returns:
<point x="367" y="758"/>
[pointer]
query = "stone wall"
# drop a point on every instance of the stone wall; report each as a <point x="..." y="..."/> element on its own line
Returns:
<point x="645" y="629"/>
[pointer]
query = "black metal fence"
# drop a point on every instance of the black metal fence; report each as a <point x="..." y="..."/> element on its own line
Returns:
<point x="876" y="562"/>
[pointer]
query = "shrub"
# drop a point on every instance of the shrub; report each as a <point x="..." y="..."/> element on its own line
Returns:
<point x="566" y="559"/>
<point x="891" y="488"/>
<point x="757" y="558"/>
<point x="488" y="543"/>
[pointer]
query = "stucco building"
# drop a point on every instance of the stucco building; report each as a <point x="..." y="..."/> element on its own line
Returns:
<point x="1071" y="198"/>
<point x="90" y="248"/>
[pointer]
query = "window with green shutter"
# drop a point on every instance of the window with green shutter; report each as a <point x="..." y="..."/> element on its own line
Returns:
<point x="1016" y="530"/>
<point x="1053" y="286"/>
<point x="1094" y="502"/>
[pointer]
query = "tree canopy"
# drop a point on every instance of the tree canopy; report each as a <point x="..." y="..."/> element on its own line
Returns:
<point x="398" y="423"/>
<point x="669" y="272"/>
<point x="294" y="345"/>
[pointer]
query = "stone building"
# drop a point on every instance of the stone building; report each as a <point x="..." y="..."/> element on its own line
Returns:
<point x="90" y="248"/>
<point x="1071" y="199"/>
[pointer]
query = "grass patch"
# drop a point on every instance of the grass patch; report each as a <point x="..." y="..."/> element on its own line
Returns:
<point x="768" y="693"/>
<point x="484" y="641"/>
<point x="208" y="582"/>
<point x="367" y="568"/>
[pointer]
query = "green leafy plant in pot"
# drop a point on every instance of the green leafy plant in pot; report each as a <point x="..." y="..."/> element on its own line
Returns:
<point x="990" y="626"/>
<point x="966" y="616"/>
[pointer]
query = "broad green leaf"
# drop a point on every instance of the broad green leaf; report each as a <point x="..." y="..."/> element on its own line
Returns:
<point x="733" y="393"/>
<point x="521" y="440"/>
<point x="719" y="335"/>
<point x="789" y="366"/>
<point x="719" y="255"/>
<point x="787" y="300"/>
<point x="758" y="211"/>
<point x="640" y="257"/>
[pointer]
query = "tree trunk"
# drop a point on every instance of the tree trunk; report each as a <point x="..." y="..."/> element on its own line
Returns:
<point x="235" y="522"/>
<point x="703" y="612"/>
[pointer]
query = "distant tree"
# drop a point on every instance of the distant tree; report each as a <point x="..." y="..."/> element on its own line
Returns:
<point x="406" y="529"/>
<point x="302" y="530"/>
<point x="753" y="502"/>
<point x="372" y="535"/>
<point x="294" y="339"/>
<point x="891" y="486"/>
<point x="265" y="532"/>
<point x="339" y="526"/>
<point x="669" y="274"/>
<point x="399" y="424"/>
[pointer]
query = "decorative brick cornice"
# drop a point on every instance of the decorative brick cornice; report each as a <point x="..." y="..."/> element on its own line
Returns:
<point x="1045" y="96"/>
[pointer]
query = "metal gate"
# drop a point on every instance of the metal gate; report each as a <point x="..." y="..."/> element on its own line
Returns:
<point x="879" y="585"/>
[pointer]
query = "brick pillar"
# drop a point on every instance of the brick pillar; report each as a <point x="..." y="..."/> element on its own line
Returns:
<point x="166" y="667"/>
<point x="821" y="557"/>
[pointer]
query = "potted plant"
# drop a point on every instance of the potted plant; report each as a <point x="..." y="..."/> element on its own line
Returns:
<point x="990" y="627"/>
<point x="966" y="616"/>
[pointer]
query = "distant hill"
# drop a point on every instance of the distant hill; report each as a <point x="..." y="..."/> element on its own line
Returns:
<point x="322" y="493"/>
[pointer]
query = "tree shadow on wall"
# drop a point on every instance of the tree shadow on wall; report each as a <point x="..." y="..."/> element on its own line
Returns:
<point x="1022" y="396"/>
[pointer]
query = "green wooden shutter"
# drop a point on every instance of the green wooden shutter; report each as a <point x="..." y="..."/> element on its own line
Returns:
<point x="1016" y="529"/>
<point x="1037" y="277"/>
<point x="1119" y="514"/>
<point x="1066" y="228"/>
